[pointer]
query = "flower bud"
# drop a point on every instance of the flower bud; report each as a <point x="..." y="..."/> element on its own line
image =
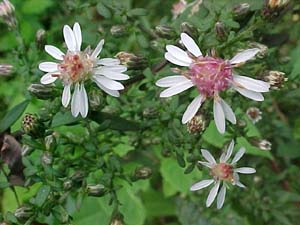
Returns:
<point x="40" y="38"/>
<point x="116" y="222"/>
<point x="50" y="142"/>
<point x="25" y="150"/>
<point x="68" y="184"/>
<point x="241" y="9"/>
<point x="118" y="30"/>
<point x="5" y="69"/>
<point x="46" y="158"/>
<point x="41" y="91"/>
<point x="24" y="212"/>
<point x="189" y="29"/>
<point x="95" y="97"/>
<point x="142" y="173"/>
<point x="220" y="31"/>
<point x="132" y="61"/>
<point x="96" y="190"/>
<point x="61" y="214"/>
<point x="276" y="3"/>
<point x="263" y="144"/>
<point x="165" y="31"/>
<point x="263" y="49"/>
<point x="32" y="126"/>
<point x="241" y="123"/>
<point x="178" y="8"/>
<point x="7" y="13"/>
<point x="254" y="114"/>
<point x="196" y="124"/>
<point x="150" y="112"/>
<point x="77" y="176"/>
<point x="275" y="78"/>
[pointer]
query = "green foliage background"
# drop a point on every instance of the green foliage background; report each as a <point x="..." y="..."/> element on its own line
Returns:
<point x="128" y="136"/>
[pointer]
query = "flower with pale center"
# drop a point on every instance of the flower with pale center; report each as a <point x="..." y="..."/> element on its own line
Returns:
<point x="210" y="75"/>
<point x="76" y="66"/>
<point x="222" y="173"/>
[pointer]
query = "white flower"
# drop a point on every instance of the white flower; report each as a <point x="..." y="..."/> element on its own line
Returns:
<point x="222" y="173"/>
<point x="76" y="66"/>
<point x="210" y="76"/>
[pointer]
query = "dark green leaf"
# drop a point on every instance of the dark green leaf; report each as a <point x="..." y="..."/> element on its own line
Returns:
<point x="42" y="195"/>
<point x="64" y="119"/>
<point x="13" y="115"/>
<point x="103" y="10"/>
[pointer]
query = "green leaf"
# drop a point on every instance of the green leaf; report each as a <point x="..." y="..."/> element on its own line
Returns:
<point x="42" y="195"/>
<point x="103" y="10"/>
<point x="174" y="179"/>
<point x="65" y="118"/>
<point x="137" y="12"/>
<point x="116" y="122"/>
<point x="13" y="115"/>
<point x="36" y="6"/>
<point x="213" y="137"/>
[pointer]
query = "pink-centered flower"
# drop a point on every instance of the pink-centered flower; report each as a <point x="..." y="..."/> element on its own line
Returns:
<point x="210" y="75"/>
<point x="223" y="173"/>
<point x="75" y="67"/>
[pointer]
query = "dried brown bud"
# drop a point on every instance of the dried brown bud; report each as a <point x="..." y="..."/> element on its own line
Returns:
<point x="189" y="29"/>
<point x="254" y="114"/>
<point x="196" y="124"/>
<point x="7" y="13"/>
<point x="276" y="3"/>
<point x="40" y="38"/>
<point x="263" y="144"/>
<point x="274" y="8"/>
<point x="275" y="78"/>
<point x="132" y="61"/>
<point x="220" y="30"/>
<point x="5" y="69"/>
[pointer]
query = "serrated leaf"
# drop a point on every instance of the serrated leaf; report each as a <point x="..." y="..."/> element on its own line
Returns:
<point x="13" y="115"/>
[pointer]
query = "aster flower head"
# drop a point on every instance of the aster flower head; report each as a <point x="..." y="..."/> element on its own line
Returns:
<point x="210" y="75"/>
<point x="223" y="173"/>
<point x="254" y="114"/>
<point x="75" y="67"/>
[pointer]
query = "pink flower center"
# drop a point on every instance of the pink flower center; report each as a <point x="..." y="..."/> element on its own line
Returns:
<point x="75" y="67"/>
<point x="210" y="75"/>
<point x="222" y="171"/>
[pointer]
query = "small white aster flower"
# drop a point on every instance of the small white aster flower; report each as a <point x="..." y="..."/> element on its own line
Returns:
<point x="210" y="75"/>
<point x="76" y="66"/>
<point x="223" y="173"/>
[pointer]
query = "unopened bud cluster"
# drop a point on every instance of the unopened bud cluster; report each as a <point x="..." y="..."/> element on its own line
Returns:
<point x="29" y="123"/>
<point x="197" y="124"/>
<point x="7" y="13"/>
<point x="5" y="69"/>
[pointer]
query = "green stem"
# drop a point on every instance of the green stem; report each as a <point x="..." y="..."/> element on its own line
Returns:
<point x="11" y="187"/>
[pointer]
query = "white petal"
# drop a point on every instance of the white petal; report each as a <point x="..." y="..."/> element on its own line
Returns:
<point x="207" y="164"/>
<point x="171" y="81"/>
<point x="98" y="49"/>
<point x="115" y="68"/>
<point x="192" y="109"/>
<point x="108" y="62"/>
<point x="238" y="155"/>
<point x="226" y="156"/>
<point x="245" y="170"/>
<point x="206" y="154"/>
<point x="212" y="194"/>
<point x="172" y="59"/>
<point x="84" y="105"/>
<point x="201" y="184"/>
<point x="190" y="44"/>
<point x="219" y="116"/>
<point x="238" y="183"/>
<point x="109" y="73"/>
<point x="221" y="197"/>
<point x="48" y="67"/>
<point x="54" y="52"/>
<point x="48" y="79"/>
<point x="252" y="84"/>
<point x="108" y="83"/>
<point x="229" y="114"/>
<point x="256" y="96"/>
<point x="75" y="103"/>
<point x="77" y="35"/>
<point x="108" y="91"/>
<point x="178" y="53"/>
<point x="244" y="56"/>
<point x="69" y="38"/>
<point x="66" y="96"/>
<point x="236" y="180"/>
<point x="176" y="89"/>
